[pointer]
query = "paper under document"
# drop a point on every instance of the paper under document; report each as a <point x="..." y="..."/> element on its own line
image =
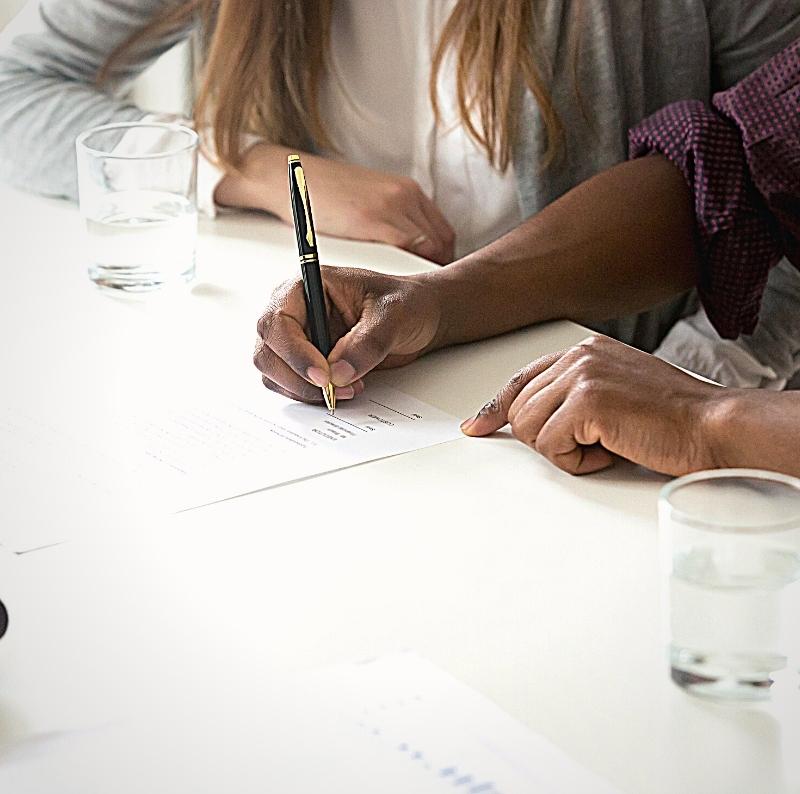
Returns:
<point x="398" y="725"/>
<point x="408" y="710"/>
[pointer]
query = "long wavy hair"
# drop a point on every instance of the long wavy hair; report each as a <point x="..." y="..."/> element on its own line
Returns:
<point x="264" y="60"/>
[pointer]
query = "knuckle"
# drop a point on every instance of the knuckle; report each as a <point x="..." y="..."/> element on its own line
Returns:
<point x="583" y="366"/>
<point x="257" y="354"/>
<point x="263" y="324"/>
<point x="545" y="446"/>
<point x="408" y="186"/>
<point x="518" y="378"/>
<point x="263" y="357"/>
<point x="410" y="241"/>
<point x="492" y="407"/>
<point x="523" y="433"/>
<point x="366" y="214"/>
<point x="592" y="342"/>
<point x="593" y="345"/>
<point x="394" y="190"/>
<point x="585" y="395"/>
<point x="369" y="346"/>
<point x="271" y="385"/>
<point x="281" y="297"/>
<point x="389" y="303"/>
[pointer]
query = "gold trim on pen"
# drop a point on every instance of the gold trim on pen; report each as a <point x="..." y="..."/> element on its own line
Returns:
<point x="329" y="393"/>
<point x="300" y="179"/>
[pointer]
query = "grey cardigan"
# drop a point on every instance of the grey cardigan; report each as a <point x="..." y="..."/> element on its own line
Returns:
<point x="635" y="57"/>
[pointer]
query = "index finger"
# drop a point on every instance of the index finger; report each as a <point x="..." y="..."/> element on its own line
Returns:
<point x="282" y="329"/>
<point x="494" y="414"/>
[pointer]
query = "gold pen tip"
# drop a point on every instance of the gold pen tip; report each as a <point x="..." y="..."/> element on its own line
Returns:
<point x="326" y="395"/>
<point x="294" y="158"/>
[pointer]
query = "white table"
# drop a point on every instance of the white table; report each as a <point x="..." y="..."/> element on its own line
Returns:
<point x="534" y="587"/>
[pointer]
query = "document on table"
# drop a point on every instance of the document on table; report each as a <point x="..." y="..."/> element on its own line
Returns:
<point x="398" y="725"/>
<point x="198" y="451"/>
<point x="202" y="453"/>
<point x="410" y="713"/>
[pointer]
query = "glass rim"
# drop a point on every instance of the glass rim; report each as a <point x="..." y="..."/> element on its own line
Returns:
<point x="194" y="139"/>
<point x="718" y="474"/>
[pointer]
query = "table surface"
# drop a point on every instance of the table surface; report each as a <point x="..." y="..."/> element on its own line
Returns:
<point x="536" y="588"/>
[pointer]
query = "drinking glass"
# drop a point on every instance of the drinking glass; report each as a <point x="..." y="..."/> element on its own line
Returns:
<point x="137" y="185"/>
<point x="730" y="555"/>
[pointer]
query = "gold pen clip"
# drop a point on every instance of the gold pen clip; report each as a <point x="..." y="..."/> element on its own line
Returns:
<point x="300" y="179"/>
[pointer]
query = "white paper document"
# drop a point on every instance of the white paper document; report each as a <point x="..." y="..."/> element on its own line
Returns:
<point x="397" y="725"/>
<point x="161" y="459"/>
<point x="202" y="453"/>
<point x="409" y="713"/>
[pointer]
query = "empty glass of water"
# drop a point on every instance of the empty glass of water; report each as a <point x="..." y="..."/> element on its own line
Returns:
<point x="137" y="185"/>
<point x="730" y="553"/>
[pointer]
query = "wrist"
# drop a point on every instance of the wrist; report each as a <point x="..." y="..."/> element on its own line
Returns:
<point x="259" y="183"/>
<point x="723" y="421"/>
<point x="445" y="288"/>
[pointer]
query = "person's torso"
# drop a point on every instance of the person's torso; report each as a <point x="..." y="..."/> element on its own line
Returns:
<point x="376" y="107"/>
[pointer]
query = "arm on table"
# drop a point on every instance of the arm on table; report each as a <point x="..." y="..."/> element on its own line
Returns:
<point x="620" y="242"/>
<point x="579" y="407"/>
<point x="617" y="243"/>
<point x="348" y="200"/>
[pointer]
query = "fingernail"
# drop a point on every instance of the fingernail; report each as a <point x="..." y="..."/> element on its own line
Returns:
<point x="358" y="386"/>
<point x="467" y="424"/>
<point x="345" y="392"/>
<point x="342" y="373"/>
<point x="318" y="376"/>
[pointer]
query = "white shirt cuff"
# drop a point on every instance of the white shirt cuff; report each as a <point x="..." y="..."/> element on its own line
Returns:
<point x="693" y="344"/>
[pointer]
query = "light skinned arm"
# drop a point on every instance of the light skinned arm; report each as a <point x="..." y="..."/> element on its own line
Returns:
<point x="349" y="201"/>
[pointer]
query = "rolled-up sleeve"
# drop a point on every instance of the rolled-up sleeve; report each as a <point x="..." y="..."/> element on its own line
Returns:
<point x="741" y="160"/>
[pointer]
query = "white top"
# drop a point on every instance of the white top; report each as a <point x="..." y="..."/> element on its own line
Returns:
<point x="375" y="105"/>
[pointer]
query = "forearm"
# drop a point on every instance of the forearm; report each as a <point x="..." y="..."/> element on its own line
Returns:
<point x="618" y="243"/>
<point x="757" y="429"/>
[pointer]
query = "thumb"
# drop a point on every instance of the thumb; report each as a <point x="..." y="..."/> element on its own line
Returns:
<point x="364" y="346"/>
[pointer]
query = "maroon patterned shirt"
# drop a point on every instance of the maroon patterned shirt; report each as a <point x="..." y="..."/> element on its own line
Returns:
<point x="741" y="158"/>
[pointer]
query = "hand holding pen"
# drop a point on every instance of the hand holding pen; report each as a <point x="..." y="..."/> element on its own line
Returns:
<point x="376" y="320"/>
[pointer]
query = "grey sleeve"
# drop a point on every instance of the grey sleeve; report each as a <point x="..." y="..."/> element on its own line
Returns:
<point x="49" y="59"/>
<point x="746" y="33"/>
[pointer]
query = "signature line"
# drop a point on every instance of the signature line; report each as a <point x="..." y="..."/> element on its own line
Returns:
<point x="393" y="409"/>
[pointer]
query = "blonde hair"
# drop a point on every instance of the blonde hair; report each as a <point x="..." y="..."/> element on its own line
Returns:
<point x="266" y="57"/>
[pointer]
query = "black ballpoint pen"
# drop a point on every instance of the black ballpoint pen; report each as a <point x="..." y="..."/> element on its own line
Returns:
<point x="309" y="266"/>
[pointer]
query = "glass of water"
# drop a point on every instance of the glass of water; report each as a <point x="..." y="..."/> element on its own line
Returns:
<point x="730" y="555"/>
<point x="137" y="185"/>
